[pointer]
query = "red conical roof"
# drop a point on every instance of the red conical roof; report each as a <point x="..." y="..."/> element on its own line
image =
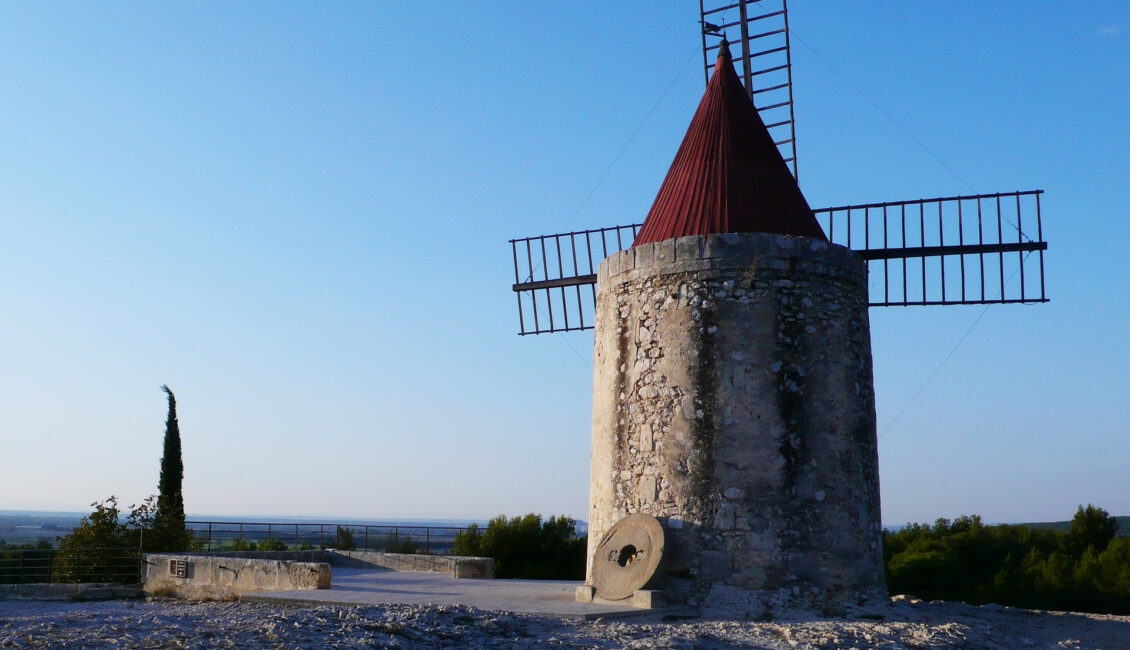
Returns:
<point x="728" y="176"/>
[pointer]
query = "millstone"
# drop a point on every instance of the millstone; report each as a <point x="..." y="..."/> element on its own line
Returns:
<point x="627" y="556"/>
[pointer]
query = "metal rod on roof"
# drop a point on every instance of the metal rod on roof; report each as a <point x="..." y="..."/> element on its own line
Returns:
<point x="576" y="271"/>
<point x="545" y="276"/>
<point x="942" y="243"/>
<point x="521" y="319"/>
<point x="1020" y="239"/>
<point x="745" y="49"/>
<point x="1000" y="240"/>
<point x="904" y="287"/>
<point x="922" y="243"/>
<point x="867" y="228"/>
<point x="533" y="294"/>
<point x="981" y="240"/>
<point x="789" y="63"/>
<point x="705" y="61"/>
<point x="886" y="275"/>
<point x="1040" y="236"/>
<point x="961" y="241"/>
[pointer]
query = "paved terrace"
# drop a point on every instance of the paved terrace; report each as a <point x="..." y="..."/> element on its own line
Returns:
<point x="383" y="586"/>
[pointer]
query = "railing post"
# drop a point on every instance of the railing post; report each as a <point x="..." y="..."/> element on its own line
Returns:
<point x="209" y="536"/>
<point x="428" y="540"/>
<point x="396" y="539"/>
<point x="22" y="554"/>
<point x="366" y="537"/>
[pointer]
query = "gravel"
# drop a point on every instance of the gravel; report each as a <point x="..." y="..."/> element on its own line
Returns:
<point x="906" y="623"/>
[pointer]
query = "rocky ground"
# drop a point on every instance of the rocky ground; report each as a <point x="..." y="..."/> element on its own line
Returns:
<point x="907" y="623"/>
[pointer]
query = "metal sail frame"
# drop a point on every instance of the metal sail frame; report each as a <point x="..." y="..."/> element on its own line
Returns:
<point x="906" y="244"/>
<point x="954" y="250"/>
<point x="764" y="63"/>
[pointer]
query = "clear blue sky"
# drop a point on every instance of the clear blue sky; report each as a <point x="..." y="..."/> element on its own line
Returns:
<point x="297" y="214"/>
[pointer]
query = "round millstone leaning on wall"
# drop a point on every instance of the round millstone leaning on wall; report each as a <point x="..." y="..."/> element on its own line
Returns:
<point x="733" y="400"/>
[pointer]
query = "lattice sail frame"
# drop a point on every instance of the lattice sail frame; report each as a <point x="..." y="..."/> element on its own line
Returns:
<point x="764" y="62"/>
<point x="956" y="250"/>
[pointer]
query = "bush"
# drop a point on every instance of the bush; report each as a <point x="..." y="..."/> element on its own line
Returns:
<point x="273" y="544"/>
<point x="93" y="552"/>
<point x="526" y="547"/>
<point x="345" y="541"/>
<point x="1084" y="569"/>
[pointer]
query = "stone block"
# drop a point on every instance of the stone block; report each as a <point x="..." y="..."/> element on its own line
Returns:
<point x="645" y="255"/>
<point x="649" y="599"/>
<point x="611" y="265"/>
<point x="647" y="440"/>
<point x="665" y="251"/>
<point x="720" y="245"/>
<point x="688" y="248"/>
<point x="585" y="593"/>
<point x="649" y="491"/>
<point x="473" y="568"/>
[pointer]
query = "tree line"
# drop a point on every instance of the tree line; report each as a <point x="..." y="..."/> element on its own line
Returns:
<point x="1085" y="568"/>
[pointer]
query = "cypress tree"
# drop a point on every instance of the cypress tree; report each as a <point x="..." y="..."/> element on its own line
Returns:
<point x="170" y="502"/>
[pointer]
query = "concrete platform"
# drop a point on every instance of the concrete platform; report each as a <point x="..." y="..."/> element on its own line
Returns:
<point x="377" y="587"/>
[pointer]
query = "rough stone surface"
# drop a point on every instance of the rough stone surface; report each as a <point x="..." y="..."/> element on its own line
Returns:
<point x="733" y="400"/>
<point x="219" y="576"/>
<point x="904" y="623"/>
<point x="453" y="565"/>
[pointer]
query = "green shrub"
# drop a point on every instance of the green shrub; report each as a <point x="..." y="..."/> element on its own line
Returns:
<point x="527" y="547"/>
<point x="345" y="541"/>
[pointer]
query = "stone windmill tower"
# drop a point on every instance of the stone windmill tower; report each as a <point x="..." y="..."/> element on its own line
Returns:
<point x="732" y="390"/>
<point x="733" y="398"/>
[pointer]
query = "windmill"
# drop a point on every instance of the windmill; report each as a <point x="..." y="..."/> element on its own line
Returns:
<point x="733" y="402"/>
<point x="952" y="250"/>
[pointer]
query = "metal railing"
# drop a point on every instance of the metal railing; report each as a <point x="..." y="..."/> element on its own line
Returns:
<point x="104" y="564"/>
<point x="216" y="536"/>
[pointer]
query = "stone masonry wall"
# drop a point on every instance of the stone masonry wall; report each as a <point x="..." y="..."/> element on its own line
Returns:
<point x="220" y="576"/>
<point x="733" y="400"/>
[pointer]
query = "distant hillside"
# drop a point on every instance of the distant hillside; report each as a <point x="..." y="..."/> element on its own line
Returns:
<point x="1064" y="526"/>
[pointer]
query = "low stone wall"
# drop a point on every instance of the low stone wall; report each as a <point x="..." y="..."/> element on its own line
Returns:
<point x="224" y="576"/>
<point x="231" y="573"/>
<point x="453" y="565"/>
<point x="68" y="591"/>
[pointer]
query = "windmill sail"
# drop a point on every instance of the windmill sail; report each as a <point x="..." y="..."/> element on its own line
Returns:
<point x="763" y="59"/>
<point x="957" y="250"/>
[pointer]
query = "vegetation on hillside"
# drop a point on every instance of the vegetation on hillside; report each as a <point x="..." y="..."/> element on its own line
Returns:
<point x="1085" y="568"/>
